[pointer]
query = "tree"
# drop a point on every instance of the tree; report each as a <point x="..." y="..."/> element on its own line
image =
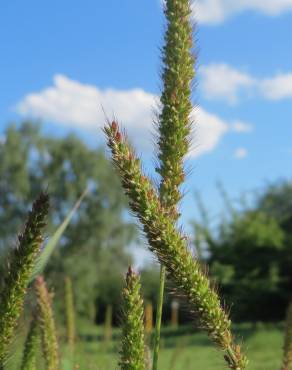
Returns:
<point x="245" y="261"/>
<point x="276" y="201"/>
<point x="250" y="255"/>
<point x="31" y="161"/>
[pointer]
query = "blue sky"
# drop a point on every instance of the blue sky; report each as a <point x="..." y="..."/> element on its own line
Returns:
<point x="61" y="61"/>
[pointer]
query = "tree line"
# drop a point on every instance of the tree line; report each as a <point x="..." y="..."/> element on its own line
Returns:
<point x="248" y="251"/>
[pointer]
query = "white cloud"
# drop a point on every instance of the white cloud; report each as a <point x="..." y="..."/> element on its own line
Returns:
<point x="71" y="103"/>
<point x="78" y="105"/>
<point x="241" y="127"/>
<point x="222" y="81"/>
<point x="279" y="87"/>
<point x="217" y="11"/>
<point x="208" y="131"/>
<point x="240" y="153"/>
<point x="209" y="11"/>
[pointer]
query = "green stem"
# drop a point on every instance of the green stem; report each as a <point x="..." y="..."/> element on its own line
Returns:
<point x="158" y="318"/>
<point x="70" y="315"/>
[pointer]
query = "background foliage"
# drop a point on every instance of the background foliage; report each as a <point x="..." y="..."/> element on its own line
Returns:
<point x="248" y="250"/>
<point x="100" y="231"/>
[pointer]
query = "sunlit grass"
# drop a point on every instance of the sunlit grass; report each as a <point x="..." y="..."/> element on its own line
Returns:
<point x="186" y="351"/>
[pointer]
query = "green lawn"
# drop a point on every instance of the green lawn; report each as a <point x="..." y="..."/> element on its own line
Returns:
<point x="188" y="351"/>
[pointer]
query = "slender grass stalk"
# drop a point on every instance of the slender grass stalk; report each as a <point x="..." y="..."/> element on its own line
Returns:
<point x="171" y="248"/>
<point x="30" y="347"/>
<point x="70" y="315"/>
<point x="132" y="351"/>
<point x="174" y="123"/>
<point x="21" y="262"/>
<point x="47" y="325"/>
<point x="148" y="358"/>
<point x="158" y="319"/>
<point x="287" y="355"/>
<point x="174" y="313"/>
<point x="177" y="353"/>
<point x="148" y="319"/>
<point x="108" y="327"/>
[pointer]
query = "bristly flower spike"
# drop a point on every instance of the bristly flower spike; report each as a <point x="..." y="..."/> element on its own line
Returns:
<point x="31" y="346"/>
<point x="174" y="124"/>
<point x="132" y="354"/>
<point x="21" y="262"/>
<point x="47" y="324"/>
<point x="171" y="248"/>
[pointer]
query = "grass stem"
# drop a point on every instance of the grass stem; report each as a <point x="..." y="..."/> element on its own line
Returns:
<point x="158" y="318"/>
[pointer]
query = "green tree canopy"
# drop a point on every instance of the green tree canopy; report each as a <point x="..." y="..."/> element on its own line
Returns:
<point x="97" y="237"/>
<point x="249" y="254"/>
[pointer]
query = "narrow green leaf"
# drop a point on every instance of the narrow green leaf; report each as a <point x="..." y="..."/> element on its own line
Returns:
<point x="47" y="251"/>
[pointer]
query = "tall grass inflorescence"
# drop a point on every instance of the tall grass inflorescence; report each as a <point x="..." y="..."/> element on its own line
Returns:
<point x="174" y="123"/>
<point x="21" y="262"/>
<point x="31" y="346"/>
<point x="133" y="347"/>
<point x="47" y="325"/>
<point x="157" y="211"/>
<point x="171" y="248"/>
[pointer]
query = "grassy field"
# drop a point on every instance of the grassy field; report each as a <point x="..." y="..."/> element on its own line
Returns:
<point x="183" y="350"/>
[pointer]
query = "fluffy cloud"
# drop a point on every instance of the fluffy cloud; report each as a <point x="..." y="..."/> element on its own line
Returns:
<point x="279" y="87"/>
<point x="241" y="127"/>
<point x="240" y="153"/>
<point x="78" y="105"/>
<point x="216" y="11"/>
<point x="208" y="132"/>
<point x="224" y="82"/>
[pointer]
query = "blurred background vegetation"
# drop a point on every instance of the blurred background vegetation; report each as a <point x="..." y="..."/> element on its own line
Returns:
<point x="248" y="250"/>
